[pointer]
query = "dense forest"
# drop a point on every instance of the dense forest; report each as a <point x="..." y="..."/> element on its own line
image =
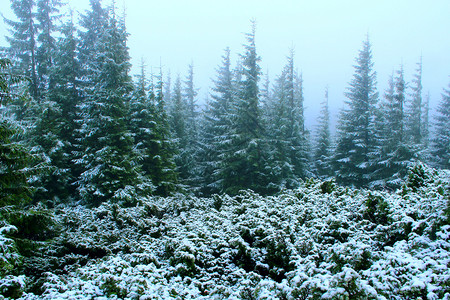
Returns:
<point x="79" y="132"/>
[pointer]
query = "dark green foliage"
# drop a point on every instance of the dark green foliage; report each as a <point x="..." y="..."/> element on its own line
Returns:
<point x="327" y="187"/>
<point x="377" y="210"/>
<point x="441" y="142"/>
<point x="245" y="163"/>
<point x="34" y="225"/>
<point x="356" y="140"/>
<point x="15" y="160"/>
<point x="322" y="154"/>
<point x="23" y="42"/>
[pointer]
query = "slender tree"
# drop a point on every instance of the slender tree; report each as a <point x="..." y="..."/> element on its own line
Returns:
<point x="322" y="154"/>
<point x="246" y="167"/>
<point x="415" y="109"/>
<point x="441" y="142"/>
<point x="217" y="126"/>
<point x="109" y="166"/>
<point x="23" y="42"/>
<point x="355" y="147"/>
<point x="15" y="160"/>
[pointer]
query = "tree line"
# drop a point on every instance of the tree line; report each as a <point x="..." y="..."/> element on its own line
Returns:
<point x="86" y="131"/>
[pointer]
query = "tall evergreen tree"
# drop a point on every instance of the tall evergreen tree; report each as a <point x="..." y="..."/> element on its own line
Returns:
<point x="415" y="109"/>
<point x="217" y="126"/>
<point x="192" y="130"/>
<point x="426" y="122"/>
<point x="356" y="143"/>
<point x="150" y="131"/>
<point x="395" y="154"/>
<point x="14" y="158"/>
<point x="322" y="154"/>
<point x="441" y="141"/>
<point x="109" y="165"/>
<point x="177" y="121"/>
<point x="23" y="42"/>
<point x="245" y="163"/>
<point x="46" y="17"/>
<point x="285" y="126"/>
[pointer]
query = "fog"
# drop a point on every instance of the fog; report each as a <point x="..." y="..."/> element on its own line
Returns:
<point x="326" y="37"/>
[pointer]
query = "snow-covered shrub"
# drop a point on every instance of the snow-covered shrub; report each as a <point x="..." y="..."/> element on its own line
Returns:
<point x="317" y="241"/>
<point x="10" y="258"/>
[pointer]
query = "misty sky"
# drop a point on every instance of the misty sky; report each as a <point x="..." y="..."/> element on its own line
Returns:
<point x="326" y="37"/>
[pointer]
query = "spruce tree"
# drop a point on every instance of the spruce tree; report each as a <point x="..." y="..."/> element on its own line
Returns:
<point x="245" y="162"/>
<point x="15" y="160"/>
<point x="395" y="154"/>
<point x="441" y="141"/>
<point x="177" y="121"/>
<point x="322" y="154"/>
<point x="216" y="129"/>
<point x="356" y="143"/>
<point x="415" y="108"/>
<point x="109" y="166"/>
<point x="23" y="42"/>
<point x="192" y="130"/>
<point x="47" y="16"/>
<point x="149" y="127"/>
<point x="285" y="127"/>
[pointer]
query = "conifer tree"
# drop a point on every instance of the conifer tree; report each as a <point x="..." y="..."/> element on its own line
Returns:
<point x="415" y="108"/>
<point x="426" y="122"/>
<point x="395" y="154"/>
<point x="192" y="130"/>
<point x="356" y="144"/>
<point x="23" y="42"/>
<point x="286" y="129"/>
<point x="322" y="155"/>
<point x="109" y="166"/>
<point x="177" y="121"/>
<point x="245" y="163"/>
<point x="15" y="159"/>
<point x="46" y="17"/>
<point x="150" y="131"/>
<point x="217" y="126"/>
<point x="441" y="141"/>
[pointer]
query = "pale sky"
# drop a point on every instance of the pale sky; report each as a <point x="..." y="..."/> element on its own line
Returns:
<point x="325" y="34"/>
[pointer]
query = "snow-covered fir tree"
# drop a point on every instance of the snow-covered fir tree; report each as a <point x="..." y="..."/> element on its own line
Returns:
<point x="415" y="115"/>
<point x="441" y="141"/>
<point x="322" y="153"/>
<point x="15" y="159"/>
<point x="217" y="127"/>
<point x="149" y="126"/>
<point x="353" y="160"/>
<point x="107" y="157"/>
<point x="394" y="153"/>
<point x="245" y="165"/>
<point x="22" y="41"/>
<point x="47" y="17"/>
<point x="286" y="129"/>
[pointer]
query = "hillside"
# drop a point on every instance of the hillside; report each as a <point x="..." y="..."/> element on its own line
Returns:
<point x="319" y="241"/>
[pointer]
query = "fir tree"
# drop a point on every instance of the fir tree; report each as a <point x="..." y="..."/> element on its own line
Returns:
<point x="415" y="109"/>
<point x="192" y="131"/>
<point x="395" y="154"/>
<point x="46" y="17"/>
<point x="245" y="165"/>
<point x="285" y="126"/>
<point x="150" y="131"/>
<point x="441" y="142"/>
<point x="322" y="155"/>
<point x="23" y="42"/>
<point x="109" y="165"/>
<point x="356" y="143"/>
<point x="217" y="126"/>
<point x="14" y="158"/>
